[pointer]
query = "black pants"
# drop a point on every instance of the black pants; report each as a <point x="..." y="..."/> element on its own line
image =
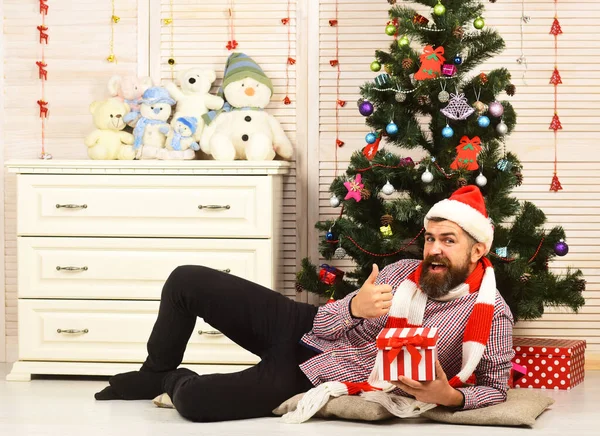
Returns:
<point x="260" y="320"/>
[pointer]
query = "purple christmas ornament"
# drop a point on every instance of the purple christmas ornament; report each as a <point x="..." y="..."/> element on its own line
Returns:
<point x="365" y="108"/>
<point x="496" y="109"/>
<point x="561" y="248"/>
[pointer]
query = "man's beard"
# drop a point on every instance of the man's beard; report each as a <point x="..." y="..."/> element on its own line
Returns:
<point x="438" y="285"/>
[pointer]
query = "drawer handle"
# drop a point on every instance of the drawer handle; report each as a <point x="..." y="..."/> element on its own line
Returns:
<point x="214" y="206"/>
<point x="210" y="332"/>
<point x="71" y="206"/>
<point x="72" y="268"/>
<point x="226" y="271"/>
<point x="72" y="331"/>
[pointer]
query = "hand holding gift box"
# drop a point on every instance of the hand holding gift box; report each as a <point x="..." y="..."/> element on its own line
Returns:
<point x="409" y="352"/>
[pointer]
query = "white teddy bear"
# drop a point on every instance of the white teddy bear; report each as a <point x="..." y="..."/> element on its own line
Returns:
<point x="193" y="99"/>
<point x="151" y="129"/>
<point x="243" y="129"/>
<point x="180" y="140"/>
<point x="108" y="141"/>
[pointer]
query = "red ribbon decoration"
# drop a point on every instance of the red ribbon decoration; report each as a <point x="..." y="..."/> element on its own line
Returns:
<point x="430" y="54"/>
<point x="398" y="344"/>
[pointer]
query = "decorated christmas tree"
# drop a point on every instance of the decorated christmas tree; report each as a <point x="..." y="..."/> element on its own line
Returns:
<point x="431" y="100"/>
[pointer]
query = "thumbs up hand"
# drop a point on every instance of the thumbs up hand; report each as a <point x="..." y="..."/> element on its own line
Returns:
<point x="372" y="301"/>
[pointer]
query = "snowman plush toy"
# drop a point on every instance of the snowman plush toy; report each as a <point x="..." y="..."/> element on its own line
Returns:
<point x="151" y="129"/>
<point x="242" y="129"/>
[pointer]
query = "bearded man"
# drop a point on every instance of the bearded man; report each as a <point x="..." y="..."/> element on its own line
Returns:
<point x="303" y="347"/>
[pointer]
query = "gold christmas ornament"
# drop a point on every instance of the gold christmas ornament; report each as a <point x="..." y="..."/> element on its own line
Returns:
<point x="386" y="231"/>
<point x="168" y="21"/>
<point x="116" y="19"/>
<point x="111" y="58"/>
<point x="479" y="107"/>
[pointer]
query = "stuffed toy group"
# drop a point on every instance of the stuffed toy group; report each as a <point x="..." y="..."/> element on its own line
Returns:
<point x="228" y="126"/>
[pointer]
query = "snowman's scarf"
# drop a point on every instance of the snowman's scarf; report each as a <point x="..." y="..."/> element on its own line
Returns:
<point x="211" y="115"/>
<point x="140" y="127"/>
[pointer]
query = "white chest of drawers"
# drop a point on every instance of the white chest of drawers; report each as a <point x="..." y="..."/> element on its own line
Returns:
<point x="97" y="239"/>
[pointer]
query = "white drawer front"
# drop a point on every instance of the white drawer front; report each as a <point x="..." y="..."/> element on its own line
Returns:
<point x="153" y="206"/>
<point x="109" y="331"/>
<point x="130" y="268"/>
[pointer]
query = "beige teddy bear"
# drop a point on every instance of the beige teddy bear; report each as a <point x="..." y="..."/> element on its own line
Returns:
<point x="108" y="141"/>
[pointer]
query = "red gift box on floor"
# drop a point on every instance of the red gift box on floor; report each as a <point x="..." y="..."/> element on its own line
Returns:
<point x="410" y="352"/>
<point x="550" y="363"/>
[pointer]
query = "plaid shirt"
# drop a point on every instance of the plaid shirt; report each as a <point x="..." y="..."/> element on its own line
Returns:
<point x="347" y="350"/>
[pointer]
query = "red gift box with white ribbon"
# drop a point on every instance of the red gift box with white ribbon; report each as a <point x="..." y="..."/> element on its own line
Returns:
<point x="550" y="363"/>
<point x="410" y="352"/>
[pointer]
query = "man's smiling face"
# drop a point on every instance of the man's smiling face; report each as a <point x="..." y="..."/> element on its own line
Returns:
<point x="449" y="256"/>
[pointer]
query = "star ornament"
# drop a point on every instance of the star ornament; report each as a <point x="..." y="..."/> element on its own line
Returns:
<point x="354" y="188"/>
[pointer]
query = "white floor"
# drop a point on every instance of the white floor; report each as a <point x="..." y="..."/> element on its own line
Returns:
<point x="66" y="407"/>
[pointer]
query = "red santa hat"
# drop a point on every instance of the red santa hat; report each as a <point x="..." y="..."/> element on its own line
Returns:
<point x="466" y="208"/>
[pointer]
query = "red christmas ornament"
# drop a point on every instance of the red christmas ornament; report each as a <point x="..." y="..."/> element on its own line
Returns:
<point x="43" y="108"/>
<point x="331" y="300"/>
<point x="287" y="100"/>
<point x="43" y="73"/>
<point x="291" y="61"/>
<point x="431" y="63"/>
<point x="334" y="62"/>
<point x="483" y="78"/>
<point x="555" y="124"/>
<point x="555" y="79"/>
<point x="420" y="19"/>
<point x="43" y="33"/>
<point x="329" y="274"/>
<point x="333" y="23"/>
<point x="341" y="103"/>
<point x="339" y="142"/>
<point x="231" y="45"/>
<point x="43" y="7"/>
<point x="370" y="150"/>
<point x="556" y="29"/>
<point x="468" y="149"/>
<point x="555" y="185"/>
<point x="285" y="21"/>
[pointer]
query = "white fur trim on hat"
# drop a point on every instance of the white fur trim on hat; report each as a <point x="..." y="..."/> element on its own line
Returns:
<point x="469" y="219"/>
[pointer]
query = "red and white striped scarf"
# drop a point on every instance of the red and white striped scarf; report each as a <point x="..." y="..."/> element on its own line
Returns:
<point x="407" y="310"/>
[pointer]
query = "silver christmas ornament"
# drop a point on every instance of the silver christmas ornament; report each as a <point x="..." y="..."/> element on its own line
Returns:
<point x="400" y="97"/>
<point x="334" y="201"/>
<point x="502" y="129"/>
<point x="339" y="253"/>
<point x="443" y="97"/>
<point x="481" y="180"/>
<point x="388" y="189"/>
<point x="427" y="176"/>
